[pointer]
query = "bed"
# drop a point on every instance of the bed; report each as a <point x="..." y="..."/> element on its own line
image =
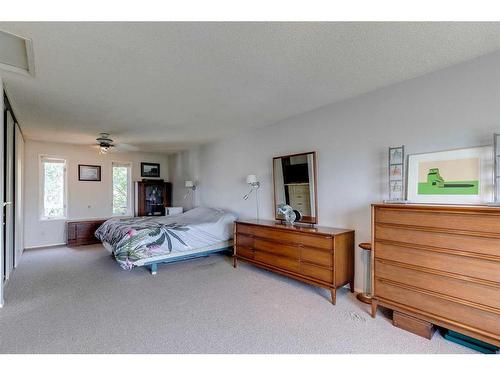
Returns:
<point x="150" y="241"/>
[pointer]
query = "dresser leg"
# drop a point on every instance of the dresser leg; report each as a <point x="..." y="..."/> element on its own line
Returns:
<point x="374" y="308"/>
<point x="351" y="285"/>
<point x="235" y="261"/>
<point x="333" y="293"/>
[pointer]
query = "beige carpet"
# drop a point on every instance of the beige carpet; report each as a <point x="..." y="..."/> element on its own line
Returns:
<point x="65" y="300"/>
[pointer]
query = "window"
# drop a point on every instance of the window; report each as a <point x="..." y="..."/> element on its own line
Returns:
<point x="121" y="189"/>
<point x="53" y="189"/>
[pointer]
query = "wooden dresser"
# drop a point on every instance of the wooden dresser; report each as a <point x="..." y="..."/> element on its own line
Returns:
<point x="320" y="256"/>
<point x="440" y="264"/>
<point x="81" y="232"/>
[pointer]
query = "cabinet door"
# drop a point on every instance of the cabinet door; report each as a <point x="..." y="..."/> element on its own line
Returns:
<point x="154" y="195"/>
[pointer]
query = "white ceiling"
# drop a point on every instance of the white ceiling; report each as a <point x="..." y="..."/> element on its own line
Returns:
<point x="166" y="86"/>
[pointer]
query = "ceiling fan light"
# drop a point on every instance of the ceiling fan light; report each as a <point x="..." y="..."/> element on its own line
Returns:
<point x="103" y="149"/>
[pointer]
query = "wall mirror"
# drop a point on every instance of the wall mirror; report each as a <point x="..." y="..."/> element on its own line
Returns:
<point x="294" y="178"/>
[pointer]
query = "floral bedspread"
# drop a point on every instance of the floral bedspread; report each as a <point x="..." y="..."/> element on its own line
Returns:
<point x="138" y="238"/>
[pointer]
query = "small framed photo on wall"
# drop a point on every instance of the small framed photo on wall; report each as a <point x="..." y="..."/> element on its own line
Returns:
<point x="150" y="170"/>
<point x="89" y="172"/>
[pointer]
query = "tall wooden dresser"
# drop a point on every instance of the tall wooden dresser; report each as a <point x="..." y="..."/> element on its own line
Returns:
<point x="440" y="264"/>
<point x="320" y="256"/>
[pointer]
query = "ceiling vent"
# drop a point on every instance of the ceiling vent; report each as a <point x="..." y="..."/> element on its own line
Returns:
<point x="16" y="54"/>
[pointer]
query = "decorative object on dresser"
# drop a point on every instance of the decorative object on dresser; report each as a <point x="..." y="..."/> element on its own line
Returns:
<point x="294" y="178"/>
<point x="396" y="174"/>
<point x="439" y="264"/>
<point x="254" y="186"/>
<point x="89" y="172"/>
<point x="463" y="176"/>
<point x="320" y="256"/>
<point x="289" y="214"/>
<point x="151" y="197"/>
<point x="81" y="232"/>
<point x="150" y="170"/>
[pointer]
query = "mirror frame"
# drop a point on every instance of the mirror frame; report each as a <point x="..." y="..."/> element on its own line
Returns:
<point x="304" y="219"/>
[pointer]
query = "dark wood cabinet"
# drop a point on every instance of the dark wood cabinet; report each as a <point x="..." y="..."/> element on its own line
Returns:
<point x="151" y="197"/>
<point x="320" y="256"/>
<point x="81" y="232"/>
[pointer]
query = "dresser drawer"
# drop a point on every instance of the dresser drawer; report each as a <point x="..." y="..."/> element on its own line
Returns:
<point x="319" y="241"/>
<point x="443" y="220"/>
<point x="316" y="256"/>
<point x="474" y="292"/>
<point x="277" y="261"/>
<point x="440" y="307"/>
<point x="467" y="266"/>
<point x="320" y="273"/>
<point x="243" y="240"/>
<point x="473" y="244"/>
<point x="244" y="252"/>
<point x="277" y="248"/>
<point x="86" y="231"/>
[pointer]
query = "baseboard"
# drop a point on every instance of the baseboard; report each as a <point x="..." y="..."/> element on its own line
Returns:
<point x="45" y="246"/>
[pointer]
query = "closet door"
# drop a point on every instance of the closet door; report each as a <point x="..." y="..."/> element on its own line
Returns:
<point x="2" y="184"/>
<point x="18" y="194"/>
<point x="9" y="238"/>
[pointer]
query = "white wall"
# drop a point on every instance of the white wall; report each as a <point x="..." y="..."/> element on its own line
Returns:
<point x="85" y="199"/>
<point x="19" y="205"/>
<point x="182" y="167"/>
<point x="451" y="108"/>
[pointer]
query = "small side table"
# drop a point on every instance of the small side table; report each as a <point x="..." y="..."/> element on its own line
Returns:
<point x="365" y="297"/>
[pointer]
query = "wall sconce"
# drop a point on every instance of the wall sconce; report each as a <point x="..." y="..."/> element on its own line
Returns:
<point x="254" y="185"/>
<point x="191" y="187"/>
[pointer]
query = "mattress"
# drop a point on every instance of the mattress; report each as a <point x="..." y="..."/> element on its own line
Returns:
<point x="141" y="240"/>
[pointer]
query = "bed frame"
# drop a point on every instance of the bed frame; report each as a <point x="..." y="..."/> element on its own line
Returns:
<point x="153" y="266"/>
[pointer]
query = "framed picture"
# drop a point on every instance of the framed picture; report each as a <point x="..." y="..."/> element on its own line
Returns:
<point x="396" y="174"/>
<point x="463" y="176"/>
<point x="150" y="170"/>
<point x="396" y="155"/>
<point x="89" y="172"/>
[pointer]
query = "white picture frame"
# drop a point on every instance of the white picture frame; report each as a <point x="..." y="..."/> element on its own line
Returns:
<point x="485" y="168"/>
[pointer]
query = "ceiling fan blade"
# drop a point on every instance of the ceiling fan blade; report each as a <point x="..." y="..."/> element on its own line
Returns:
<point x="126" y="147"/>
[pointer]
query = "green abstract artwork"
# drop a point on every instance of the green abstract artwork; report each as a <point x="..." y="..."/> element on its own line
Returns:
<point x="452" y="177"/>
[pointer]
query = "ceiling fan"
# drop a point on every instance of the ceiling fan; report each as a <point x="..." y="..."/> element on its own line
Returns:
<point x="105" y="143"/>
